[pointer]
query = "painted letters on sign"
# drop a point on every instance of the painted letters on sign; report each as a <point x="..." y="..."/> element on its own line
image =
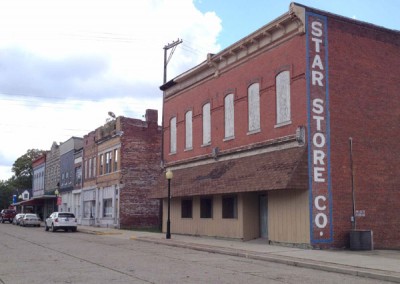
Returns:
<point x="318" y="130"/>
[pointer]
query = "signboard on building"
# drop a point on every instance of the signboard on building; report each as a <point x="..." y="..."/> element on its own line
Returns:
<point x="318" y="129"/>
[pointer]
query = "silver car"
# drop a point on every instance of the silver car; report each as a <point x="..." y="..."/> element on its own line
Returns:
<point x="61" y="220"/>
<point x="17" y="218"/>
<point x="30" y="220"/>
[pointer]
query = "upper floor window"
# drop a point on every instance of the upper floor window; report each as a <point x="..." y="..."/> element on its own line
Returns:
<point x="229" y="116"/>
<point x="108" y="163"/>
<point x="94" y="166"/>
<point x="283" y="97"/>
<point x="206" y="124"/>
<point x="254" y="107"/>
<point x="115" y="160"/>
<point x="101" y="164"/>
<point x="90" y="167"/>
<point x="172" y="127"/>
<point x="188" y="128"/>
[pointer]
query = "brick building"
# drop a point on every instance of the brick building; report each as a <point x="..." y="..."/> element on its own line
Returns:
<point x="290" y="134"/>
<point x="121" y="162"/>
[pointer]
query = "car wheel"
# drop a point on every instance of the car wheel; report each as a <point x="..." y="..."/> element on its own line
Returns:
<point x="45" y="227"/>
<point x="53" y="229"/>
<point x="73" y="229"/>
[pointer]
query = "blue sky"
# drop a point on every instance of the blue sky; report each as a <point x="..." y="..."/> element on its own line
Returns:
<point x="65" y="64"/>
<point x="240" y="18"/>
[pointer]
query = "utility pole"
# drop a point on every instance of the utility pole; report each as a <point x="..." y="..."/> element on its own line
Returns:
<point x="172" y="45"/>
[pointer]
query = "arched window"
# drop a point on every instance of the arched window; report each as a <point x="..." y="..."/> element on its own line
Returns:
<point x="172" y="127"/>
<point x="189" y="130"/>
<point x="229" y="117"/>
<point x="283" y="97"/>
<point x="253" y="93"/>
<point x="206" y="124"/>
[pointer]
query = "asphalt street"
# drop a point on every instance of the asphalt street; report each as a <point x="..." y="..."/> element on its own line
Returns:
<point x="31" y="255"/>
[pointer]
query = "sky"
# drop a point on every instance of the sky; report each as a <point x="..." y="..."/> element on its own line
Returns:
<point x="64" y="64"/>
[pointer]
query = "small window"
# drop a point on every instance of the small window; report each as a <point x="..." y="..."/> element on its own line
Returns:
<point x="172" y="126"/>
<point x="115" y="160"/>
<point x="186" y="208"/>
<point x="188" y="128"/>
<point x="101" y="164"/>
<point x="206" y="207"/>
<point x="229" y="207"/>
<point x="229" y="116"/>
<point x="283" y="97"/>
<point x="107" y="208"/>
<point x="254" y="107"/>
<point x="206" y="124"/>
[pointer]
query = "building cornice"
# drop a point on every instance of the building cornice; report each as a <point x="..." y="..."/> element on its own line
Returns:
<point x="268" y="36"/>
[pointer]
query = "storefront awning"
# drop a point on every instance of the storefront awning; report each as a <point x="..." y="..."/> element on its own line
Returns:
<point x="37" y="200"/>
<point x="282" y="169"/>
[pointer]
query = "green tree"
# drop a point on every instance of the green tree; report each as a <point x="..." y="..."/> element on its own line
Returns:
<point x="6" y="193"/>
<point x="22" y="169"/>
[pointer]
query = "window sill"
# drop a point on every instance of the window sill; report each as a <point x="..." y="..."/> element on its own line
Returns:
<point x="283" y="124"/>
<point x="188" y="149"/>
<point x="206" y="145"/>
<point x="254" y="131"/>
<point x="172" y="153"/>
<point x="228" y="138"/>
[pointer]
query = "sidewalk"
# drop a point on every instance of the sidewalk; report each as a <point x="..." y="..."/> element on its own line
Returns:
<point x="377" y="264"/>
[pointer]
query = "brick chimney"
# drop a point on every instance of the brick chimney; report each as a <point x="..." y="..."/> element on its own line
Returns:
<point x="152" y="115"/>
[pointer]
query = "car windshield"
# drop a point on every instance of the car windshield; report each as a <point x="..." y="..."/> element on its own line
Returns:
<point x="66" y="215"/>
<point x="30" y="215"/>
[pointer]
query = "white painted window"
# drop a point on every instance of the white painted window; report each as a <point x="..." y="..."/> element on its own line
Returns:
<point x="90" y="168"/>
<point x="172" y="127"/>
<point x="189" y="130"/>
<point x="206" y="124"/>
<point x="254" y="106"/>
<point x="283" y="97"/>
<point x="229" y="116"/>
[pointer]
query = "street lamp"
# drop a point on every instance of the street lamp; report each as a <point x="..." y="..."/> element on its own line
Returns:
<point x="169" y="175"/>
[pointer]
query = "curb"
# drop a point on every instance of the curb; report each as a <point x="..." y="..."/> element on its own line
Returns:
<point x="304" y="263"/>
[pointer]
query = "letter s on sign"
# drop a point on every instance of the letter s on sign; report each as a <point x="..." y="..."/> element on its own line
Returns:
<point x="316" y="29"/>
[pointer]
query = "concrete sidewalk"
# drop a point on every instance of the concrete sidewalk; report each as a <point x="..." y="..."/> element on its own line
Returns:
<point x="377" y="264"/>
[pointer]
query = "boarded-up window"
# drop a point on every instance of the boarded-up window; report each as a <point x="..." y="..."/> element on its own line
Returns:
<point x="229" y="207"/>
<point x="206" y="207"/>
<point x="283" y="97"/>
<point x="172" y="127"/>
<point x="186" y="208"/>
<point x="188" y="125"/>
<point x="254" y="107"/>
<point x="206" y="124"/>
<point x="229" y="116"/>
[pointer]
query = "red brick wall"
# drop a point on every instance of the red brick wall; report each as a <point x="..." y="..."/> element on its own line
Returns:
<point x="140" y="166"/>
<point x="263" y="69"/>
<point x="364" y="72"/>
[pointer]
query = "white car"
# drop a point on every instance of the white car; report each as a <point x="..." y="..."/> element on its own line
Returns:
<point x="17" y="218"/>
<point x="61" y="220"/>
<point x="30" y="220"/>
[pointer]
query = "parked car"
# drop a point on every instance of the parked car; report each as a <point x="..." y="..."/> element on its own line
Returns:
<point x="61" y="220"/>
<point x="7" y="215"/>
<point x="17" y="218"/>
<point x="30" y="220"/>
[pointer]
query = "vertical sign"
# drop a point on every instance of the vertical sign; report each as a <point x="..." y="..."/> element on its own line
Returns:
<point x="318" y="129"/>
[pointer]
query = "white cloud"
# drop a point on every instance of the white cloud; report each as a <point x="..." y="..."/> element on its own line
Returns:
<point x="64" y="64"/>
